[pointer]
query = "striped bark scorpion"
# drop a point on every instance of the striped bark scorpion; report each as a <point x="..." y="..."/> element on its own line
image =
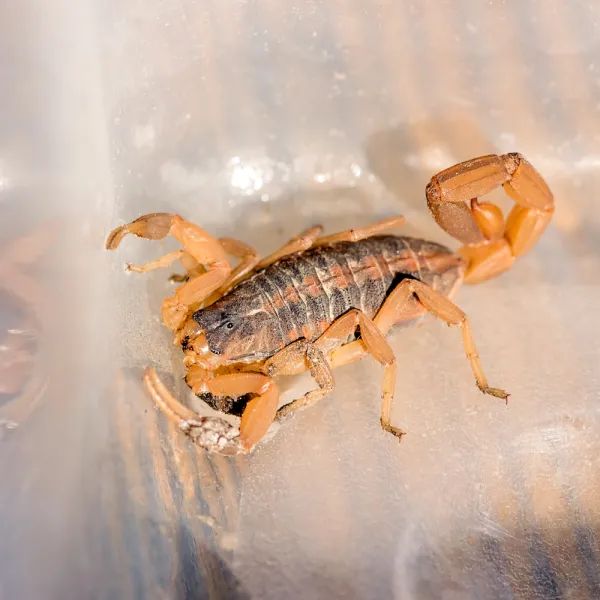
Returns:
<point x="324" y="301"/>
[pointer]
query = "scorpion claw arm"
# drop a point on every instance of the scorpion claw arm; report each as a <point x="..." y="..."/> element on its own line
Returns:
<point x="490" y="244"/>
<point x="211" y="433"/>
<point x="260" y="411"/>
<point x="197" y="243"/>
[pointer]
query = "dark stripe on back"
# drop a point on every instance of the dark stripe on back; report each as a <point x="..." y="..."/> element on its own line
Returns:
<point x="317" y="306"/>
<point x="329" y="281"/>
<point x="273" y="287"/>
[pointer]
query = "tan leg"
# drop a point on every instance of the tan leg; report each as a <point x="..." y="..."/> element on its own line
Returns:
<point x="446" y="310"/>
<point x="374" y="342"/>
<point x="491" y="246"/>
<point x="302" y="351"/>
<point x="393" y="310"/>
<point x="159" y="263"/>
<point x="202" y="247"/>
<point x="354" y="235"/>
<point x="301" y="242"/>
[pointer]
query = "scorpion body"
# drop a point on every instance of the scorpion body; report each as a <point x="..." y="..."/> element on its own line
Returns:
<point x="322" y="302"/>
<point x="302" y="295"/>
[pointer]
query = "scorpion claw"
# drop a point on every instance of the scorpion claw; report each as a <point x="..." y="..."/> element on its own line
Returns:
<point x="211" y="433"/>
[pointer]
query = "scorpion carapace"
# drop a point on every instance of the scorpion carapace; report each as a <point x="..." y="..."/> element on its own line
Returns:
<point x="324" y="301"/>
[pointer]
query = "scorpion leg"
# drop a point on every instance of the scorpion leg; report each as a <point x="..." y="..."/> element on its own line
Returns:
<point x="297" y="244"/>
<point x="491" y="247"/>
<point x="438" y="305"/>
<point x="374" y="343"/>
<point x="309" y="238"/>
<point x="203" y="248"/>
<point x="159" y="263"/>
<point x="394" y="310"/>
<point x="285" y="362"/>
<point x="354" y="235"/>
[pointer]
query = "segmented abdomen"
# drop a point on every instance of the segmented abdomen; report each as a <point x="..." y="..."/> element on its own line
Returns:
<point x="309" y="291"/>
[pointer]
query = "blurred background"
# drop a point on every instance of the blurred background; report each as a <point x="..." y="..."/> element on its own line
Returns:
<point x="257" y="119"/>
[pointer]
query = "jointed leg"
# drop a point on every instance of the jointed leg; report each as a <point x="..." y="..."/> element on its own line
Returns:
<point x="281" y="364"/>
<point x="394" y="310"/>
<point x="301" y="242"/>
<point x="309" y="238"/>
<point x="403" y="304"/>
<point x="374" y="343"/>
<point x="354" y="235"/>
<point x="446" y="310"/>
<point x="159" y="263"/>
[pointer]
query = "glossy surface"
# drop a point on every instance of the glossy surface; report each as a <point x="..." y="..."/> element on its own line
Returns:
<point x="258" y="120"/>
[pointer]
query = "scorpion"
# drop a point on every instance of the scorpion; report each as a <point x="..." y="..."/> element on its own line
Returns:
<point x="325" y="301"/>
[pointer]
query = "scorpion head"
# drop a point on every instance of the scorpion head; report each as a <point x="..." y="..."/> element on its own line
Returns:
<point x="234" y="329"/>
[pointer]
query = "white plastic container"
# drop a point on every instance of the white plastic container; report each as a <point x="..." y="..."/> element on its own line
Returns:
<point x="257" y="119"/>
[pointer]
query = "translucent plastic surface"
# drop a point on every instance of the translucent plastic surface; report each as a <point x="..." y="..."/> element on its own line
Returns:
<point x="257" y="119"/>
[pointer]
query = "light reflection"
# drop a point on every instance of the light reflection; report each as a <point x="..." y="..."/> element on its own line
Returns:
<point x="247" y="177"/>
<point x="322" y="177"/>
<point x="4" y="181"/>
